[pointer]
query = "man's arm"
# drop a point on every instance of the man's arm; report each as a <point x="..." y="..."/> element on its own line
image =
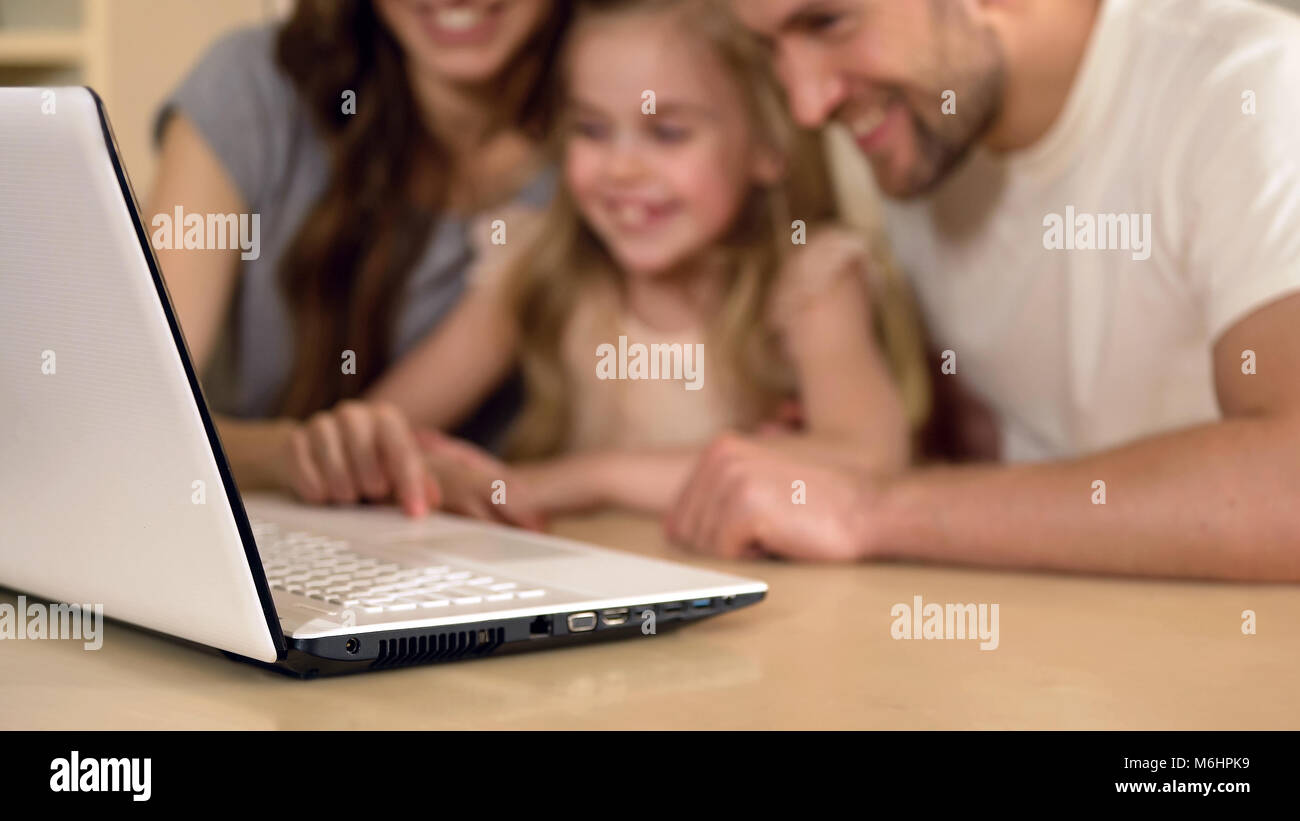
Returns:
<point x="1217" y="501"/>
<point x="1221" y="500"/>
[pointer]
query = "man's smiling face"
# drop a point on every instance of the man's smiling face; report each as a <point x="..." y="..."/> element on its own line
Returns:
<point x="882" y="67"/>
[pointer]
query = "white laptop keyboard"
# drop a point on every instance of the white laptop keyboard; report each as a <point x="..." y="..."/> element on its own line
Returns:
<point x="322" y="568"/>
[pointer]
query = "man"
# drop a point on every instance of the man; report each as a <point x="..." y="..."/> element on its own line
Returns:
<point x="1099" y="206"/>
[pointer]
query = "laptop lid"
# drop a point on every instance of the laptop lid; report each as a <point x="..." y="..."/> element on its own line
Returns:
<point x="115" y="488"/>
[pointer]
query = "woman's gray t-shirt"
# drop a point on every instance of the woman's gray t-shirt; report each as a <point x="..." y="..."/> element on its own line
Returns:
<point x="252" y="118"/>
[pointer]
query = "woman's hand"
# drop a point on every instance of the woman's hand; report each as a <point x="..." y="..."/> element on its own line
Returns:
<point x="353" y="452"/>
<point x="474" y="483"/>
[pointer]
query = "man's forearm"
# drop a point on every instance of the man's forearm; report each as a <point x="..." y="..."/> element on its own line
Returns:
<point x="1219" y="501"/>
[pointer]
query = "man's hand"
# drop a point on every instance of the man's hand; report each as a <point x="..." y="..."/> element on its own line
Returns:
<point x="743" y="500"/>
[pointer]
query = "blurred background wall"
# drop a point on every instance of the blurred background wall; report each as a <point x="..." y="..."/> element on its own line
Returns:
<point x="131" y="51"/>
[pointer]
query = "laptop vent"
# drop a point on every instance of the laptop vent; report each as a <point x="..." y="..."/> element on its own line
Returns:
<point x="430" y="647"/>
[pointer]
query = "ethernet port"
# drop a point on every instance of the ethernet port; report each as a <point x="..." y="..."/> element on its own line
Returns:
<point x="540" y="627"/>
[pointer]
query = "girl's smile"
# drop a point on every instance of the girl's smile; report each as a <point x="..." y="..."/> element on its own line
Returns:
<point x="630" y="214"/>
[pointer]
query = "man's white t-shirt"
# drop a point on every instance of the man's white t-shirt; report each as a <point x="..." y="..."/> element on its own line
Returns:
<point x="1078" y="349"/>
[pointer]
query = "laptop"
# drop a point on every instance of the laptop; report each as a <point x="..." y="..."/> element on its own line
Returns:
<point x="117" y="491"/>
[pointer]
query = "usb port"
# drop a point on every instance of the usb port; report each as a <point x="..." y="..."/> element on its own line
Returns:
<point x="614" y="617"/>
<point x="582" y="622"/>
<point x="701" y="604"/>
<point x="670" y="608"/>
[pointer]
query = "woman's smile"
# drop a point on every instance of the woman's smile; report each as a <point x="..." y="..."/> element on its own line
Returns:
<point x="458" y="23"/>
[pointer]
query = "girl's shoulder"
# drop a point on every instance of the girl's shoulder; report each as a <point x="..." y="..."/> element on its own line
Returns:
<point x="829" y="250"/>
<point x="812" y="269"/>
<point x="500" y="239"/>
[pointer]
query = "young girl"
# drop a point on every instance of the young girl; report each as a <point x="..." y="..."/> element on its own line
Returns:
<point x="687" y="280"/>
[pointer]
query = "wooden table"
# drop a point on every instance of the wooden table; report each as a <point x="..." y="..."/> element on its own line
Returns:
<point x="1074" y="652"/>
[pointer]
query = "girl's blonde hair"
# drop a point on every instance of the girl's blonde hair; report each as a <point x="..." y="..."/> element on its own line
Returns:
<point x="569" y="260"/>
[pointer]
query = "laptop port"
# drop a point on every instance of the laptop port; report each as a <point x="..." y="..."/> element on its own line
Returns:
<point x="582" y="622"/>
<point x="540" y="627"/>
<point x="701" y="604"/>
<point x="352" y="645"/>
<point x="615" y="617"/>
<point x="672" y="607"/>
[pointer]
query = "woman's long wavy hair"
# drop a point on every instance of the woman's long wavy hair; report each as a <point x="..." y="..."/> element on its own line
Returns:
<point x="344" y="271"/>
<point x="569" y="259"/>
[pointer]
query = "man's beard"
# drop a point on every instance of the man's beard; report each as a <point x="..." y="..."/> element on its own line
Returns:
<point x="942" y="146"/>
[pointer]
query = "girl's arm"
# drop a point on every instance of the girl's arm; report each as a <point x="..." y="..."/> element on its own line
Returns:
<point x="852" y="409"/>
<point x="646" y="481"/>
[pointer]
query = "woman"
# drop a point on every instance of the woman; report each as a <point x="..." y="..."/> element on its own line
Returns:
<point x="372" y="139"/>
